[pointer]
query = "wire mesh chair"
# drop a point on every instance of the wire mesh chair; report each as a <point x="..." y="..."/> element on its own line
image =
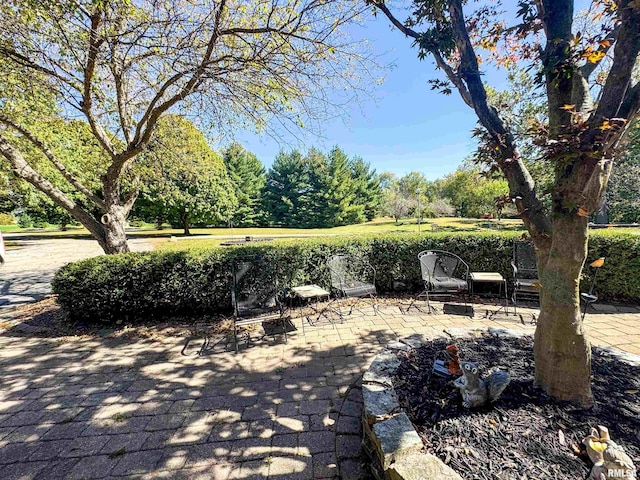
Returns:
<point x="255" y="295"/>
<point x="525" y="272"/>
<point x="443" y="274"/>
<point x="588" y="297"/>
<point x="352" y="277"/>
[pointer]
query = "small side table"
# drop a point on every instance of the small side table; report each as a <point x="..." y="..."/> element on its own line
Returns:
<point x="491" y="277"/>
<point x="308" y="293"/>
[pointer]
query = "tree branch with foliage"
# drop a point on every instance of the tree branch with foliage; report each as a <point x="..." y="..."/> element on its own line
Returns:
<point x="122" y="66"/>
<point x="580" y="141"/>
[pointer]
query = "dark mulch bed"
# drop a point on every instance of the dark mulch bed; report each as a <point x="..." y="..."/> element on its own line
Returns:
<point x="524" y="434"/>
<point x="46" y="319"/>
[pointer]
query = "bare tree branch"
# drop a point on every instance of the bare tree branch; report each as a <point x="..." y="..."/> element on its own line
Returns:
<point x="153" y="113"/>
<point x="89" y="70"/>
<point x="25" y="61"/>
<point x="122" y="100"/>
<point x="440" y="62"/>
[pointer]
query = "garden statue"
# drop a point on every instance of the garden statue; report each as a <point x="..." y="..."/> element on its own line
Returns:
<point x="450" y="367"/>
<point x="453" y="360"/>
<point x="609" y="459"/>
<point x="477" y="391"/>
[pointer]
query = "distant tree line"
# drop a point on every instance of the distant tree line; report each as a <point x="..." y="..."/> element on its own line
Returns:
<point x="184" y="182"/>
<point x="466" y="192"/>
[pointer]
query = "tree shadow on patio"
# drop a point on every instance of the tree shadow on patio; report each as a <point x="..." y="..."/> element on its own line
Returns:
<point x="87" y="406"/>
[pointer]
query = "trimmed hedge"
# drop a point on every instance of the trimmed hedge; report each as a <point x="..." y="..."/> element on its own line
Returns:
<point x="137" y="286"/>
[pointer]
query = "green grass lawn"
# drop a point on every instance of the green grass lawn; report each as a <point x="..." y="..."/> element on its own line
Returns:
<point x="379" y="225"/>
<point x="9" y="228"/>
<point x="52" y="230"/>
<point x="161" y="238"/>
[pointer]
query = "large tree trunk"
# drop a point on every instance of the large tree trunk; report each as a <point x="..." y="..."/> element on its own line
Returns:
<point x="185" y="223"/>
<point x="115" y="237"/>
<point x="562" y="350"/>
<point x="115" y="217"/>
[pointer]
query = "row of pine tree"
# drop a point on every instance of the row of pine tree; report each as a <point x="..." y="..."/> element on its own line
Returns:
<point x="311" y="190"/>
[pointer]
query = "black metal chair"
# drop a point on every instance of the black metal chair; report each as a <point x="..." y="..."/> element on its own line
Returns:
<point x="588" y="297"/>
<point x="352" y="277"/>
<point x="443" y="274"/>
<point x="255" y="295"/>
<point x="525" y="272"/>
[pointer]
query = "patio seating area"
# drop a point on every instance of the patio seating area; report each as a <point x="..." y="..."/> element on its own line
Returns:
<point x="83" y="407"/>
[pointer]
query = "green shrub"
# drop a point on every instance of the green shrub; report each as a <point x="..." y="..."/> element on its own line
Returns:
<point x="136" y="286"/>
<point x="7" y="219"/>
<point x="25" y="221"/>
<point x="136" y="222"/>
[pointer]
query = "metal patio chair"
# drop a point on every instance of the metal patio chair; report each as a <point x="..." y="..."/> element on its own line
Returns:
<point x="352" y="277"/>
<point x="525" y="272"/>
<point x="443" y="274"/>
<point x="255" y="295"/>
<point x="589" y="298"/>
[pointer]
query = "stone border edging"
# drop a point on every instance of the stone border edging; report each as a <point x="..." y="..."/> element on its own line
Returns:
<point x="389" y="438"/>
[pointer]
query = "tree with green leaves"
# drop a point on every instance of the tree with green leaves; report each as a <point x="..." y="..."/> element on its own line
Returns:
<point x="397" y="201"/>
<point x="580" y="137"/>
<point x="123" y="65"/>
<point x="182" y="180"/>
<point x="73" y="144"/>
<point x="403" y="195"/>
<point x="336" y="191"/>
<point x="348" y="192"/>
<point x="623" y="192"/>
<point x="65" y="152"/>
<point x="471" y="193"/>
<point x="248" y="177"/>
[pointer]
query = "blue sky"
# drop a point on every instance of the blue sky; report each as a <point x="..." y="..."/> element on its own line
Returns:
<point x="409" y="128"/>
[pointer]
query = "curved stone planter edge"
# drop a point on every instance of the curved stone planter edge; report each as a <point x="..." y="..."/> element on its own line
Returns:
<point x="389" y="438"/>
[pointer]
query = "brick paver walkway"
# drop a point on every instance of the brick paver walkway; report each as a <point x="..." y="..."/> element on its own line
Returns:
<point x="187" y="409"/>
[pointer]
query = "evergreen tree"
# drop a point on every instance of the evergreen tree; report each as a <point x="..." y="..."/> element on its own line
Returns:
<point x="287" y="181"/>
<point x="320" y="190"/>
<point x="313" y="203"/>
<point x="249" y="177"/>
<point x="368" y="192"/>
<point x="339" y="192"/>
